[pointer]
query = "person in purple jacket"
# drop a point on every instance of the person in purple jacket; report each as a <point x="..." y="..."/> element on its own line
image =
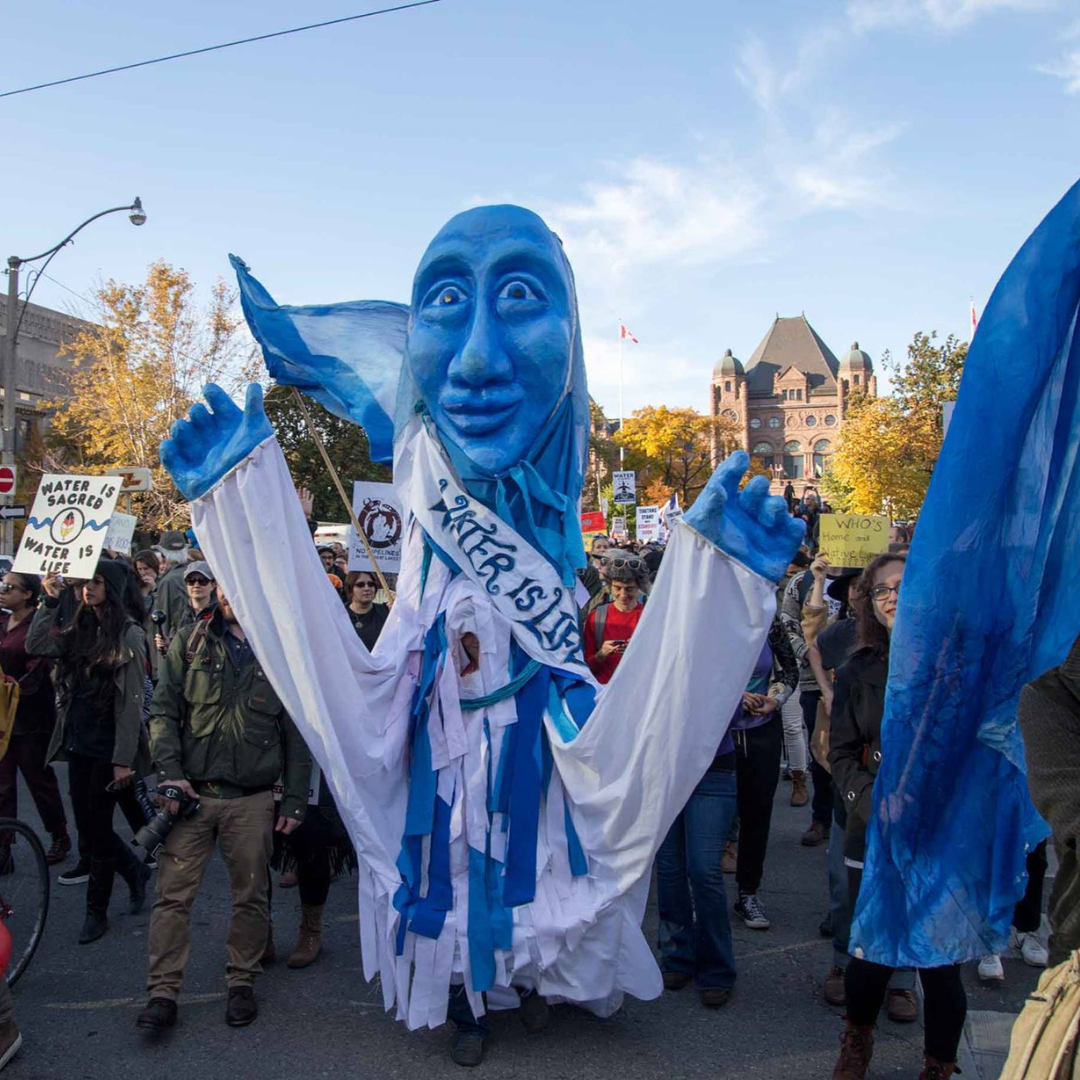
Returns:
<point x="695" y="932"/>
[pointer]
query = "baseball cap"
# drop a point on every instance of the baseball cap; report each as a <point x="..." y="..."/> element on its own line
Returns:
<point x="199" y="567"/>
<point x="173" y="540"/>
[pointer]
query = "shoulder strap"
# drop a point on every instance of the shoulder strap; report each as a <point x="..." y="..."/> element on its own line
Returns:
<point x="196" y="641"/>
<point x="600" y="622"/>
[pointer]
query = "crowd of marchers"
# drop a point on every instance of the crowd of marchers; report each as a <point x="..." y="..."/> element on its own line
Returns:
<point x="143" y="680"/>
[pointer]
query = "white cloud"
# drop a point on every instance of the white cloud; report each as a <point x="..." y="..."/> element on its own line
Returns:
<point x="939" y="14"/>
<point x="653" y="212"/>
<point x="1067" y="68"/>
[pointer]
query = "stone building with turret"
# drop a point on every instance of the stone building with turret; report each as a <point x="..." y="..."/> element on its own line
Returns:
<point x="789" y="399"/>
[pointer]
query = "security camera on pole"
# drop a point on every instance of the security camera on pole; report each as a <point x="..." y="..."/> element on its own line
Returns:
<point x="9" y="360"/>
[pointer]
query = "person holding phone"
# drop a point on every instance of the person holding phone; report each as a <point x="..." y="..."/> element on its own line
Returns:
<point x="610" y="626"/>
<point x="100" y="677"/>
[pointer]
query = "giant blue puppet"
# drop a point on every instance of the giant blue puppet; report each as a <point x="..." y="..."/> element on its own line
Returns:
<point x="991" y="599"/>
<point x="505" y="818"/>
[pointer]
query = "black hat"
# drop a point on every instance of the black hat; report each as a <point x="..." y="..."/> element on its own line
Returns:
<point x="115" y="574"/>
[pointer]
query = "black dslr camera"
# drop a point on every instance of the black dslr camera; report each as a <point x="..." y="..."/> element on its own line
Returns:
<point x="156" y="831"/>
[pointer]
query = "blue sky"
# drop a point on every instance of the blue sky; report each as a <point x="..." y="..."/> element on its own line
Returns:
<point x="708" y="163"/>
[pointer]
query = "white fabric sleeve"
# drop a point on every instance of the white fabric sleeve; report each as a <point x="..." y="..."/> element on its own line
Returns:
<point x="657" y="724"/>
<point x="351" y="706"/>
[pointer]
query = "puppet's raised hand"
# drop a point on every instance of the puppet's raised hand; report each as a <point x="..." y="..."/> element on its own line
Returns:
<point x="751" y="526"/>
<point x="206" y="446"/>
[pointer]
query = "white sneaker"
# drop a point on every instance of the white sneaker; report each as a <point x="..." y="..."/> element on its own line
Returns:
<point x="990" y="969"/>
<point x="1031" y="949"/>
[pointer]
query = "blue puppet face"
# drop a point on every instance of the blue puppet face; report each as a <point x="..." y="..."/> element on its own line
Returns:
<point x="491" y="332"/>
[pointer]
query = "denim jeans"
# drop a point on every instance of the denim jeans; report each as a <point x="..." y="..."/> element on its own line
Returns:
<point x="840" y="908"/>
<point x="695" y="934"/>
<point x="460" y="1013"/>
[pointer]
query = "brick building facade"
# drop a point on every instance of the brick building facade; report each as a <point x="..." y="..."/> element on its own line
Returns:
<point x="789" y="399"/>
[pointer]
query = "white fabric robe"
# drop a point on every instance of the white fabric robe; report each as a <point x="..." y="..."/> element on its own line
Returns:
<point x="626" y="774"/>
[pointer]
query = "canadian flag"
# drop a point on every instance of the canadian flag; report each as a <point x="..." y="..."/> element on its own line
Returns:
<point x="624" y="333"/>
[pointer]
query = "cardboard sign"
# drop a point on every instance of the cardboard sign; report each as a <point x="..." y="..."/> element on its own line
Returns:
<point x="618" y="526"/>
<point x="121" y="530"/>
<point x="853" y="540"/>
<point x="648" y="523"/>
<point x="625" y="488"/>
<point x="67" y="526"/>
<point x="377" y="509"/>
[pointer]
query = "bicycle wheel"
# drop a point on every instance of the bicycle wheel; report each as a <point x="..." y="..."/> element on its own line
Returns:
<point x="24" y="892"/>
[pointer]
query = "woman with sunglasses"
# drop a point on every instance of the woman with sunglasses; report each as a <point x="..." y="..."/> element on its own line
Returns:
<point x="610" y="625"/>
<point x="101" y="671"/>
<point x="368" y="618"/>
<point x="855" y="757"/>
<point x="35" y="719"/>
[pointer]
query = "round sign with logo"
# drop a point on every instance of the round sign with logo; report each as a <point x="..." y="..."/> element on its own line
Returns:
<point x="381" y="524"/>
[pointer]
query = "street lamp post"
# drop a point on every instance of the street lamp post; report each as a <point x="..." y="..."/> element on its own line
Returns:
<point x="9" y="360"/>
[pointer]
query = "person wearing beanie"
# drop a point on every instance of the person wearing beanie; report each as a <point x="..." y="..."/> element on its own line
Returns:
<point x="100" y="678"/>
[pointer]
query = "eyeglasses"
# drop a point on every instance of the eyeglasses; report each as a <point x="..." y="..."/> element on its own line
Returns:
<point x="880" y="592"/>
<point x="364" y="585"/>
<point x="6" y="586"/>
<point x="198" y="581"/>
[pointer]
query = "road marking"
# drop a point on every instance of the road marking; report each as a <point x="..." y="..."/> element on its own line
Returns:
<point x="809" y="944"/>
<point x="117" y="1003"/>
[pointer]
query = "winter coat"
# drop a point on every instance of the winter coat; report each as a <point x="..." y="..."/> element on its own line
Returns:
<point x="855" y="741"/>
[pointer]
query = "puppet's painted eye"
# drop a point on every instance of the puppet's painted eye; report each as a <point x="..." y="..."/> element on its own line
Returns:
<point x="450" y="295"/>
<point x="517" y="290"/>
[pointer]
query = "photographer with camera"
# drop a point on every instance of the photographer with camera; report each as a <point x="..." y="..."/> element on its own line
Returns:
<point x="220" y="738"/>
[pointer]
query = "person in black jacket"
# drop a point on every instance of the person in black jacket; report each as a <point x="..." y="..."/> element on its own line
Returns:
<point x="855" y="756"/>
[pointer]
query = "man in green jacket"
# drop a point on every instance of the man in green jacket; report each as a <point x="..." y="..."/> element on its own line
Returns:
<point x="220" y="733"/>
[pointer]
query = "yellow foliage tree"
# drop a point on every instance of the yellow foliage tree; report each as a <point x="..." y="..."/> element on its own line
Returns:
<point x="674" y="447"/>
<point x="138" y="369"/>
<point x="885" y="458"/>
<point x="889" y="446"/>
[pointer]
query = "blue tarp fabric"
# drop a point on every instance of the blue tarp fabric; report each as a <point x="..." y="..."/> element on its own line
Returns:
<point x="990" y="599"/>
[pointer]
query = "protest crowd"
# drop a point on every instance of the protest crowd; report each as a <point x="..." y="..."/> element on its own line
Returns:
<point x="143" y="679"/>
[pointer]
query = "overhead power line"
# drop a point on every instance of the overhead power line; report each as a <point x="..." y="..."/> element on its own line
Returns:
<point x="223" y="45"/>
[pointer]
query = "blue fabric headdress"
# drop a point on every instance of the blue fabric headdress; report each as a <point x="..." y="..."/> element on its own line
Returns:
<point x="990" y="599"/>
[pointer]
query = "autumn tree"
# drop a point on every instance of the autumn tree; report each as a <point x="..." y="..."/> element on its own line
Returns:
<point x="674" y="447"/>
<point x="137" y="368"/>
<point x="757" y="468"/>
<point x="345" y="442"/>
<point x="889" y="445"/>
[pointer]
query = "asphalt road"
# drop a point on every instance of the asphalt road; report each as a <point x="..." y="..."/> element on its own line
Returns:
<point x="77" y="1004"/>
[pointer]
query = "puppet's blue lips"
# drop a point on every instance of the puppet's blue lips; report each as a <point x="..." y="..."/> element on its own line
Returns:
<point x="479" y="414"/>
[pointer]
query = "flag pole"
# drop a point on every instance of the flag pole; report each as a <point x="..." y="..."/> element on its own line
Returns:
<point x="622" y="413"/>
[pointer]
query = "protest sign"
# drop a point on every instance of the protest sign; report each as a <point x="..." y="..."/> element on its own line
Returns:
<point x="67" y="526"/>
<point x="379" y="513"/>
<point x="618" y="526"/>
<point x="121" y="530"/>
<point x="648" y="523"/>
<point x="852" y="540"/>
<point x="625" y="488"/>
<point x="593" y="522"/>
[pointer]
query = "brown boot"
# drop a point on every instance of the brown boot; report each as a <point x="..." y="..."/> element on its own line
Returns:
<point x="799" y="795"/>
<point x="936" y="1070"/>
<point x="856" y="1050"/>
<point x="309" y="941"/>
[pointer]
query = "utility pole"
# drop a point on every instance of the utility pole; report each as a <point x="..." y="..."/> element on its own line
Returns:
<point x="9" y="375"/>
<point x="9" y="346"/>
